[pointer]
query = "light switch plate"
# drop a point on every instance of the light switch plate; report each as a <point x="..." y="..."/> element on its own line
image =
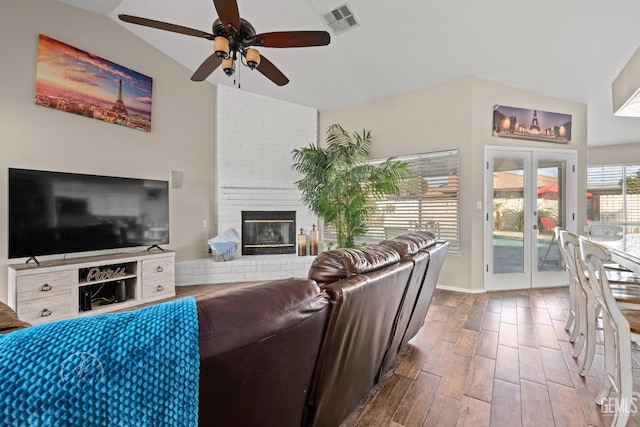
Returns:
<point x="176" y="179"/>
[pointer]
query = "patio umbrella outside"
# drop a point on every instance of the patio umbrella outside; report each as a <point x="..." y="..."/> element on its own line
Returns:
<point x="550" y="192"/>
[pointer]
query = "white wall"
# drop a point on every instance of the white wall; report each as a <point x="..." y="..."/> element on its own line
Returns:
<point x="457" y="115"/>
<point x="451" y="115"/>
<point x="182" y="136"/>
<point x="614" y="154"/>
<point x="255" y="138"/>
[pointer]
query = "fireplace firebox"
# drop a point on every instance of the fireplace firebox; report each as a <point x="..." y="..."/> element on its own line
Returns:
<point x="268" y="232"/>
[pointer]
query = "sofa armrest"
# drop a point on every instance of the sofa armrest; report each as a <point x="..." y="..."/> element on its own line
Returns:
<point x="9" y="321"/>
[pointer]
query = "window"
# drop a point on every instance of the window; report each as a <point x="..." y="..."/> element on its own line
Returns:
<point x="428" y="200"/>
<point x="613" y="193"/>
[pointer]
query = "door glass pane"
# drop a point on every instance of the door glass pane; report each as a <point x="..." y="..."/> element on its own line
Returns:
<point x="550" y="209"/>
<point x="508" y="215"/>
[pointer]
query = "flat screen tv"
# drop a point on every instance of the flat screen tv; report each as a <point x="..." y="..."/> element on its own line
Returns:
<point x="59" y="213"/>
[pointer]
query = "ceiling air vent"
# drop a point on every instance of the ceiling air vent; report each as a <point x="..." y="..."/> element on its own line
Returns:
<point x="341" y="19"/>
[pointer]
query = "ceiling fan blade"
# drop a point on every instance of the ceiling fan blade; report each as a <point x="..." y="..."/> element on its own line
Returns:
<point x="271" y="72"/>
<point x="165" y="26"/>
<point x="206" y="68"/>
<point x="290" y="39"/>
<point x="228" y="13"/>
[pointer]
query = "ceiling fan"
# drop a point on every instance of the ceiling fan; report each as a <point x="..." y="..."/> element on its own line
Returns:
<point x="234" y="39"/>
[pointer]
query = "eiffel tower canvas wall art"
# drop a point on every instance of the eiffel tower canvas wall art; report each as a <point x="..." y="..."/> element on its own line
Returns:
<point x="522" y="123"/>
<point x="75" y="81"/>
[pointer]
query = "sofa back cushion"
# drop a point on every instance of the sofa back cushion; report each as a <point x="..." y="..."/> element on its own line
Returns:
<point x="363" y="311"/>
<point x="437" y="254"/>
<point x="258" y="349"/>
<point x="412" y="248"/>
<point x="420" y="261"/>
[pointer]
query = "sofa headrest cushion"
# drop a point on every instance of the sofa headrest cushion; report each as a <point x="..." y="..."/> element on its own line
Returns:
<point x="423" y="239"/>
<point x="337" y="264"/>
<point x="267" y="310"/>
<point x="9" y="320"/>
<point x="405" y="247"/>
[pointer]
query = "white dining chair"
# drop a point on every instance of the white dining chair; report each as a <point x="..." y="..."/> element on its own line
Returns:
<point x="621" y="329"/>
<point x="569" y="263"/>
<point x="584" y="332"/>
<point x="584" y="328"/>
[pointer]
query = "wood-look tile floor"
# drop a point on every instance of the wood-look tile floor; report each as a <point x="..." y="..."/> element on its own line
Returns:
<point x="492" y="359"/>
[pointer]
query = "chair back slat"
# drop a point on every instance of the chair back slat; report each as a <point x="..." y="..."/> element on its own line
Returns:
<point x="570" y="244"/>
<point x="592" y="258"/>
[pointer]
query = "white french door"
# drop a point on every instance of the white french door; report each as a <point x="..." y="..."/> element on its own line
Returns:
<point x="528" y="192"/>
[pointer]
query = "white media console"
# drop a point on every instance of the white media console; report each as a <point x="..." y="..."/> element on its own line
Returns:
<point x="61" y="289"/>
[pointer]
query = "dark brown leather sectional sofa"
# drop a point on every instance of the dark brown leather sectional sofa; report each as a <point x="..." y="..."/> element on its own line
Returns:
<point x="376" y="291"/>
<point x="305" y="352"/>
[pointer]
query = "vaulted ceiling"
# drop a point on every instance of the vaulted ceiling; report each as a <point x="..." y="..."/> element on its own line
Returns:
<point x="570" y="49"/>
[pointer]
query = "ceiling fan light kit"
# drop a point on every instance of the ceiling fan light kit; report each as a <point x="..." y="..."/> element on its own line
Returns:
<point x="229" y="66"/>
<point x="252" y="57"/>
<point x="233" y="36"/>
<point x="221" y="47"/>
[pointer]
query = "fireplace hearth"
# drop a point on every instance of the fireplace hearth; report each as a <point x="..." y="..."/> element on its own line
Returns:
<point x="268" y="232"/>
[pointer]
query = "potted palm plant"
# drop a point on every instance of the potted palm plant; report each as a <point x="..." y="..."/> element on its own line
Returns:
<point x="338" y="182"/>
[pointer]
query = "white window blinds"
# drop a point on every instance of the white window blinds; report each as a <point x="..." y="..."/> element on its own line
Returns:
<point x="614" y="193"/>
<point x="428" y="200"/>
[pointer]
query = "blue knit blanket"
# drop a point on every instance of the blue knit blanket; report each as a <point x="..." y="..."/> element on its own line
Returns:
<point x="224" y="250"/>
<point x="137" y="368"/>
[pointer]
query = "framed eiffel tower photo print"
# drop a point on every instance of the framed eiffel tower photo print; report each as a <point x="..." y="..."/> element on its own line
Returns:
<point x="75" y="81"/>
<point x="522" y="123"/>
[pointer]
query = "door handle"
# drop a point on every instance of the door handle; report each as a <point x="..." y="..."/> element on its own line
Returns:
<point x="535" y="227"/>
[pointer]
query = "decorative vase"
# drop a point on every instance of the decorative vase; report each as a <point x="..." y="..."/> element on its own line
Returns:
<point x="313" y="244"/>
<point x="302" y="243"/>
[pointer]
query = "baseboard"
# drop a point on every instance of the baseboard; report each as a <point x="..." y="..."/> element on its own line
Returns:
<point x="528" y="289"/>
<point x="457" y="289"/>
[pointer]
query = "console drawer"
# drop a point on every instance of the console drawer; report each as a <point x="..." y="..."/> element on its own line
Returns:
<point x="156" y="287"/>
<point x="46" y="285"/>
<point x="45" y="309"/>
<point x="158" y="267"/>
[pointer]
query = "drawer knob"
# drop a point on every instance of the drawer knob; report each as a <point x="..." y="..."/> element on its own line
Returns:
<point x="159" y="269"/>
<point x="46" y="287"/>
<point x="160" y="288"/>
<point x="45" y="313"/>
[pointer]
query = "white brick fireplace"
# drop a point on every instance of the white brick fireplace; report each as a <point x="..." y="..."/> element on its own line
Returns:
<point x="255" y="136"/>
